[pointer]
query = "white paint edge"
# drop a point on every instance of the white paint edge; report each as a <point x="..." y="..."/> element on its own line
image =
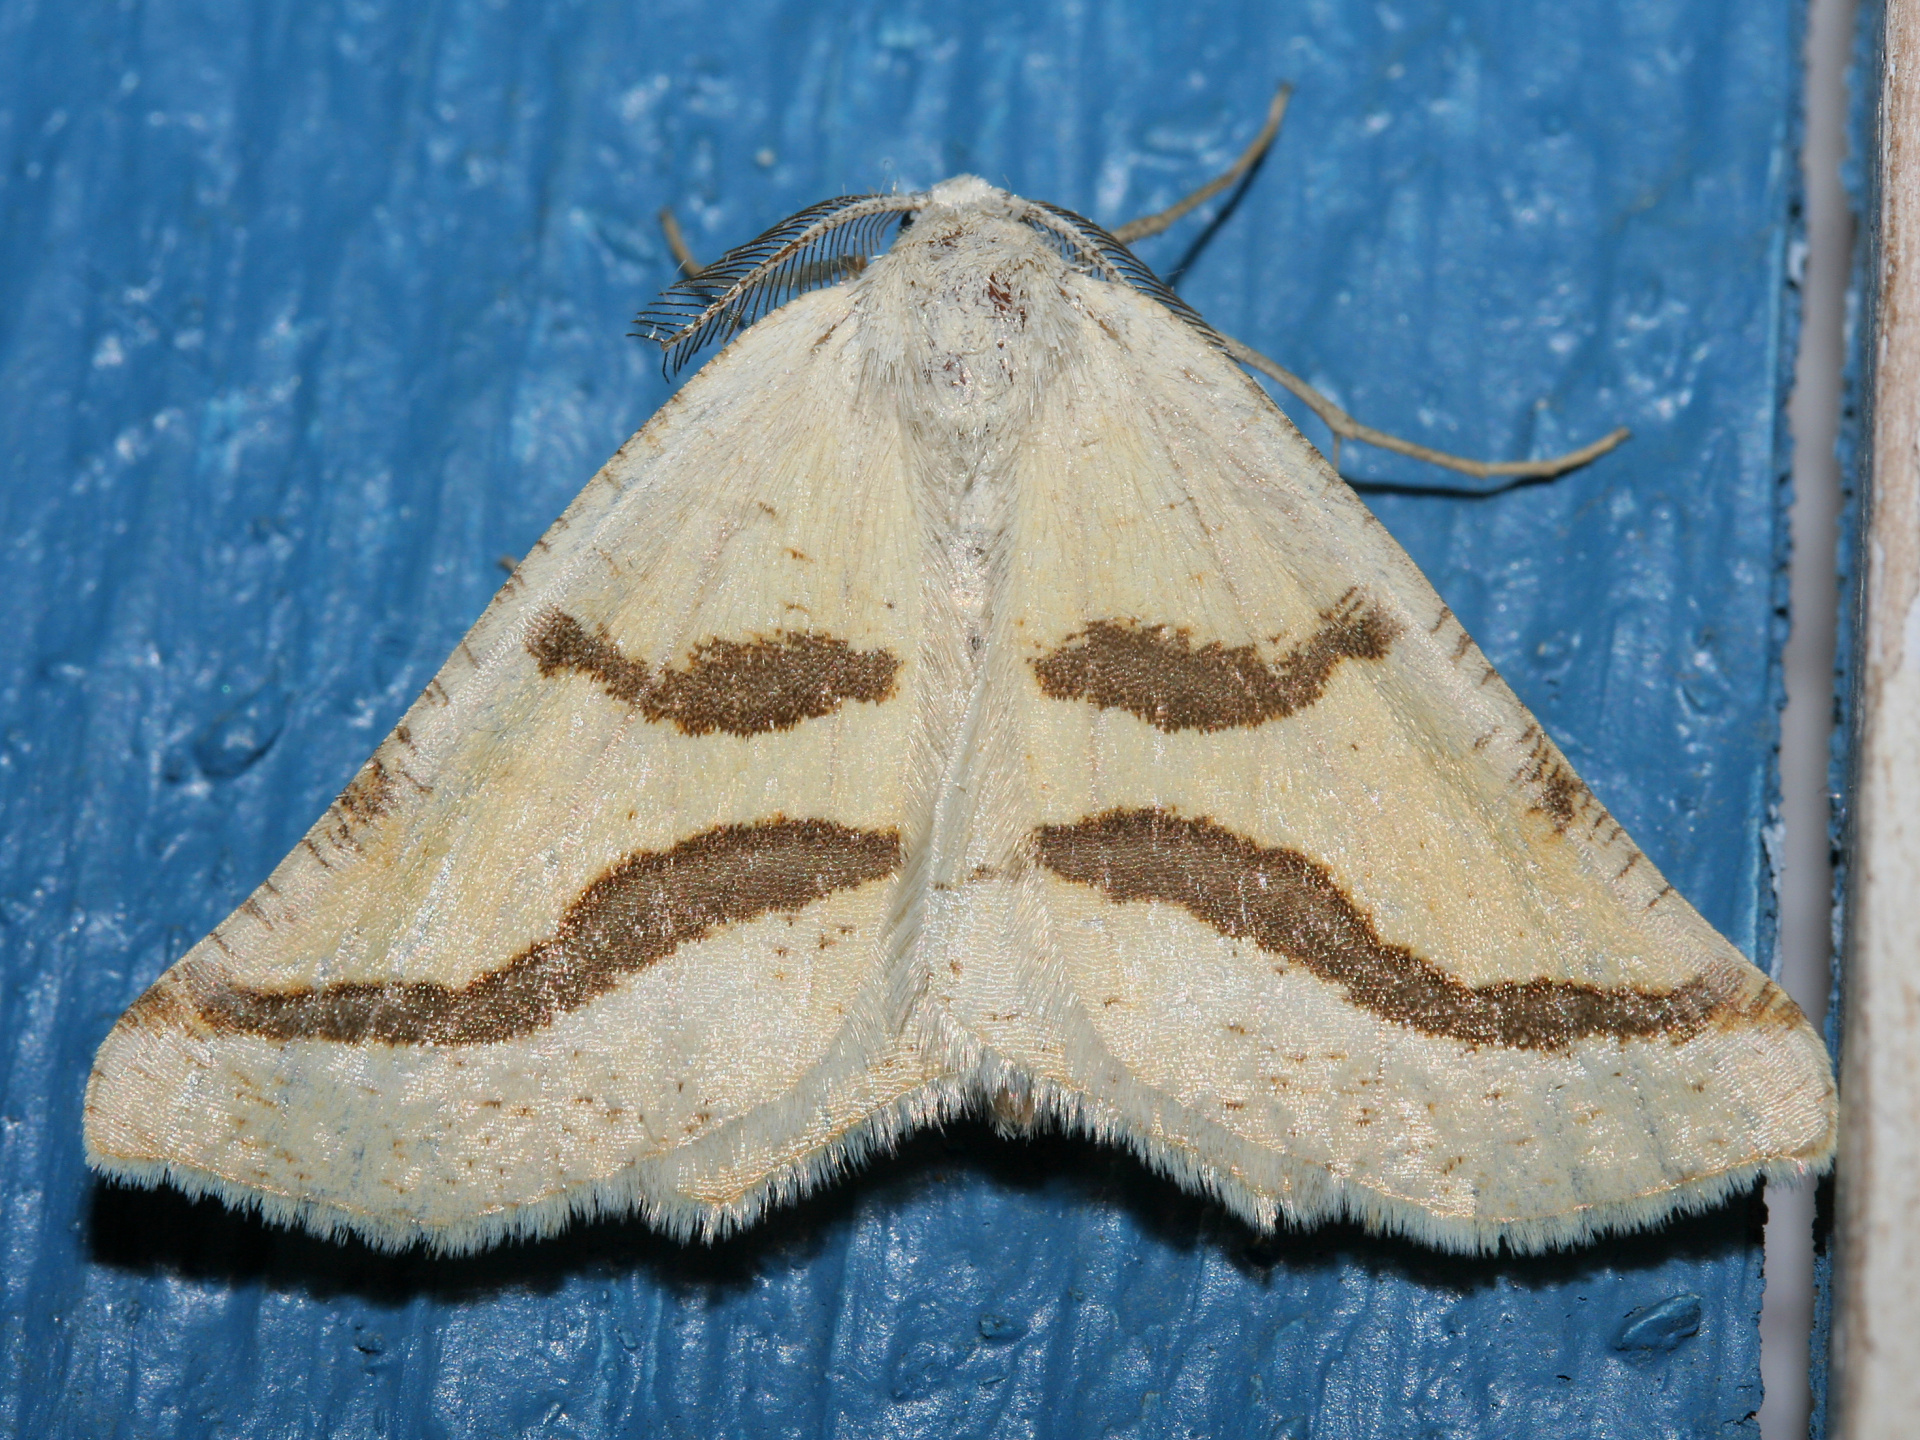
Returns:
<point x="1876" y="1381"/>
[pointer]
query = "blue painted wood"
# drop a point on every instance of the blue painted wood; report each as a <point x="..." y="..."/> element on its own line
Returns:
<point x="309" y="312"/>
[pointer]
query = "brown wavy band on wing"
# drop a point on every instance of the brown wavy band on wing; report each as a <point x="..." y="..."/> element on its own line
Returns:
<point x="1156" y="673"/>
<point x="639" y="912"/>
<point x="741" y="687"/>
<point x="1288" y="905"/>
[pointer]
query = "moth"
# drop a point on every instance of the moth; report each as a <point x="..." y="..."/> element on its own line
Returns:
<point x="969" y="691"/>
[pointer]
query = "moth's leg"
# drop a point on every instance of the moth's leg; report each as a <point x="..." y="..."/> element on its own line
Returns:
<point x="1133" y="230"/>
<point x="690" y="268"/>
<point x="1153" y="224"/>
<point x="1345" y="427"/>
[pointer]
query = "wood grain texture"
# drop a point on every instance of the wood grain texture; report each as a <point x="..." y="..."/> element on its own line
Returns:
<point x="313" y="312"/>
<point x="1876" y="1324"/>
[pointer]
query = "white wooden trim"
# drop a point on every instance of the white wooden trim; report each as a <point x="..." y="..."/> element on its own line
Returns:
<point x="1876" y="1357"/>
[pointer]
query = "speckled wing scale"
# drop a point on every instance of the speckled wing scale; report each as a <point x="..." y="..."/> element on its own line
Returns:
<point x="970" y="689"/>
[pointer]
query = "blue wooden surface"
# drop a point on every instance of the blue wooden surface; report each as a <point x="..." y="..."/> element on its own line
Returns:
<point x="311" y="311"/>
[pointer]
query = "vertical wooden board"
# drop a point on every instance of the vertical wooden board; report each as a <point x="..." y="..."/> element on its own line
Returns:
<point x="1875" y="1314"/>
<point x="308" y="313"/>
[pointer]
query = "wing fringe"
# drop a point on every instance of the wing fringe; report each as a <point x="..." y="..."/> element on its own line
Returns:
<point x="1313" y="1196"/>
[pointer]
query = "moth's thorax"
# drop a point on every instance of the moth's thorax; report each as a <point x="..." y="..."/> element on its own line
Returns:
<point x="961" y="328"/>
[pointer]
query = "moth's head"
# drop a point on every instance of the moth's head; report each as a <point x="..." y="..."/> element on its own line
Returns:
<point x="969" y="193"/>
<point x="833" y="242"/>
<point x="965" y="234"/>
